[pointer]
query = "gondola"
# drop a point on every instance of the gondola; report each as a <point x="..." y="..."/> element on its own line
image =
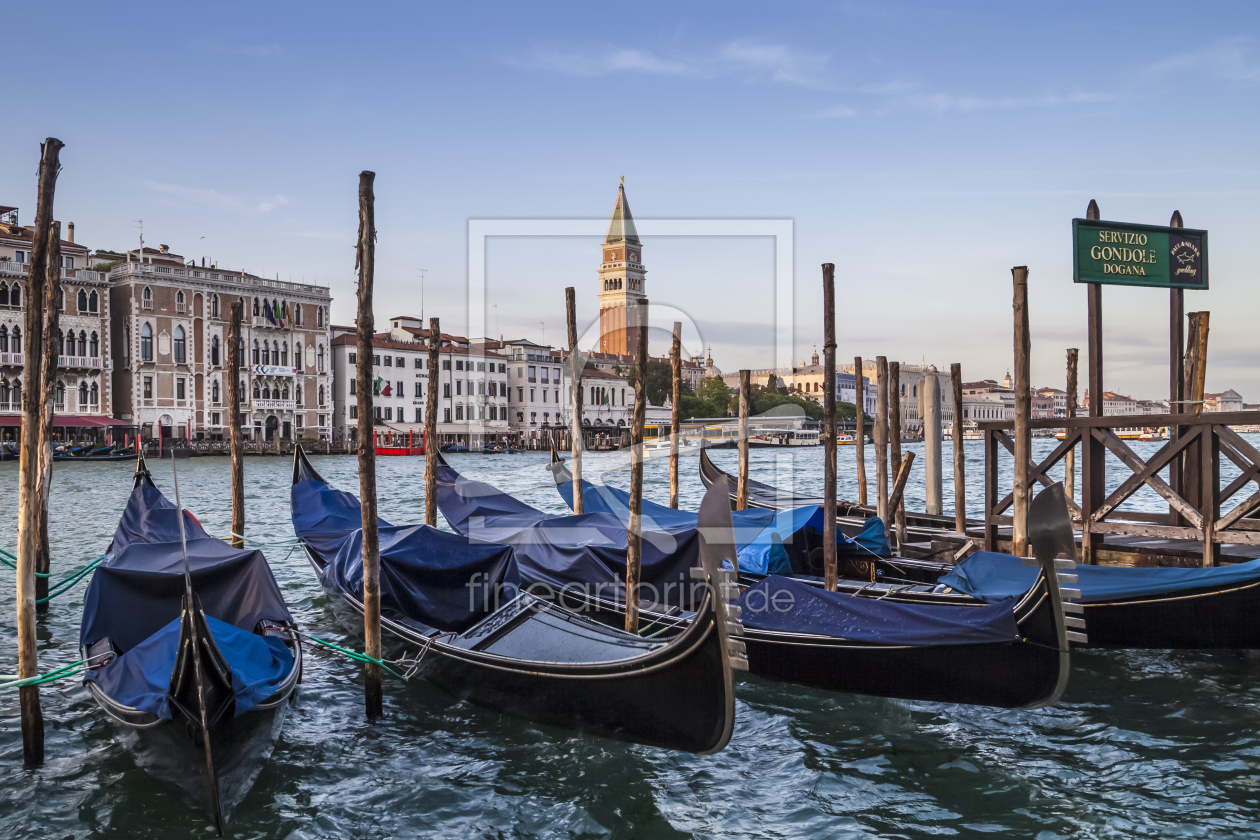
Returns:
<point x="948" y="647"/>
<point x="1124" y="606"/>
<point x="191" y="650"/>
<point x="455" y="610"/>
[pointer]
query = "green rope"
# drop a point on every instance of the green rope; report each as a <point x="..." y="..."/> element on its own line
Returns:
<point x="359" y="657"/>
<point x="5" y="559"/>
<point x="11" y="682"/>
<point x="61" y="586"/>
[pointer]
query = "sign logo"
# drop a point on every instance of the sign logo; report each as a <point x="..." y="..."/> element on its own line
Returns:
<point x="1185" y="259"/>
<point x="273" y="370"/>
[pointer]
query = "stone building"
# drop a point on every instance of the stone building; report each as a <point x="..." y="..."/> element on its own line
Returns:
<point x="169" y="337"/>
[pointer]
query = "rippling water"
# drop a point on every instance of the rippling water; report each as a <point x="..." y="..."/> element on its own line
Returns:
<point x="1144" y="743"/>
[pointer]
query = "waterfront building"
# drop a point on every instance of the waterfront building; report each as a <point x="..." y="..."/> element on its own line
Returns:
<point x="538" y="387"/>
<point x="169" y="330"/>
<point x="1228" y="400"/>
<point x="472" y="378"/>
<point x="622" y="281"/>
<point x="83" y="395"/>
<point x="1058" y="401"/>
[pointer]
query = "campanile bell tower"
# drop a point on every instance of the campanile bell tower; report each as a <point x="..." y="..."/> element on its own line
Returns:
<point x="622" y="294"/>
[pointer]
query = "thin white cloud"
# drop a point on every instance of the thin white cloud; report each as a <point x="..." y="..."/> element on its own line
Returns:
<point x="747" y="60"/>
<point x="181" y="196"/>
<point x="1232" y="60"/>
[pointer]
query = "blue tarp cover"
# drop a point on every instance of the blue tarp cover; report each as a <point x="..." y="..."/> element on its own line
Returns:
<point x="138" y="589"/>
<point x="788" y="605"/>
<point x="755" y="528"/>
<point x="141" y="677"/>
<point x="990" y="576"/>
<point x="442" y="580"/>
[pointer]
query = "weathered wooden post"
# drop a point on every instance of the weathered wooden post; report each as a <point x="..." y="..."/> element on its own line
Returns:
<point x="1023" y="408"/>
<point x="675" y="366"/>
<point x="745" y="397"/>
<point x="960" y="455"/>
<point x="933" y="458"/>
<point x="235" y="444"/>
<point x="47" y="390"/>
<point x="365" y="325"/>
<point x="575" y="379"/>
<point x="634" y="552"/>
<point x="1069" y="459"/>
<point x="431" y="446"/>
<point x="881" y="439"/>
<point x="894" y="437"/>
<point x="1093" y="453"/>
<point x="830" y="567"/>
<point x="859" y="394"/>
<point x="29" y="479"/>
<point x="1176" y="374"/>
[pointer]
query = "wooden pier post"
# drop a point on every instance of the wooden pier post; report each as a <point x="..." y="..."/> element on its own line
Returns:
<point x="1023" y="410"/>
<point x="1176" y="375"/>
<point x="960" y="454"/>
<point x="898" y="511"/>
<point x="1069" y="458"/>
<point x="30" y="456"/>
<point x="236" y="446"/>
<point x="933" y="457"/>
<point x="47" y="390"/>
<point x="1093" y="453"/>
<point x="431" y="445"/>
<point x="830" y="563"/>
<point x="634" y="532"/>
<point x="881" y="439"/>
<point x="575" y="402"/>
<point x="745" y="398"/>
<point x="675" y="367"/>
<point x="365" y="326"/>
<point x="859" y="394"/>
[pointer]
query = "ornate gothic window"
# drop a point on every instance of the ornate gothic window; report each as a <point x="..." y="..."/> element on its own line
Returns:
<point x="181" y="354"/>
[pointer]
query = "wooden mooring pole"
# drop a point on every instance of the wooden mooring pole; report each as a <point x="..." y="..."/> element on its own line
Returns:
<point x="859" y="394"/>
<point x="1069" y="458"/>
<point x="1176" y="374"/>
<point x="235" y="444"/>
<point x="894" y="435"/>
<point x="575" y="383"/>
<point x="47" y="390"/>
<point x="745" y="397"/>
<point x="675" y="370"/>
<point x="933" y="452"/>
<point x="365" y="326"/>
<point x="1023" y="410"/>
<point x="30" y="456"/>
<point x="881" y="439"/>
<point x="960" y="454"/>
<point x="830" y="567"/>
<point x="1093" y="453"/>
<point x="431" y="445"/>
<point x="634" y="549"/>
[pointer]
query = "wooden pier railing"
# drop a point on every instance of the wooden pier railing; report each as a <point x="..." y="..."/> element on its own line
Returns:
<point x="1194" y="494"/>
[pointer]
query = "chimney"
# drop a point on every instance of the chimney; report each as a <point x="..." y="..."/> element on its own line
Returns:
<point x="203" y="262"/>
<point x="164" y="249"/>
<point x="70" y="234"/>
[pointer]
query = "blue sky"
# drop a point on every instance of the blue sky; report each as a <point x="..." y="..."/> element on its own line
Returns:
<point x="924" y="148"/>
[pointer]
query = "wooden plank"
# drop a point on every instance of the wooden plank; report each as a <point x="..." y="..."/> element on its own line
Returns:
<point x="1130" y="459"/>
<point x="830" y="561"/>
<point x="899" y="486"/>
<point x="365" y="326"/>
<point x="1165" y="532"/>
<point x="1210" y="463"/>
<point x="634" y="532"/>
<point x="1037" y="472"/>
<point x="1235" y="537"/>
<point x="575" y="421"/>
<point x="960" y="455"/>
<point x="1154" y="464"/>
<point x="859" y="385"/>
<point x="1224" y="418"/>
<point x="1237" y="442"/>
<point x="1243" y="508"/>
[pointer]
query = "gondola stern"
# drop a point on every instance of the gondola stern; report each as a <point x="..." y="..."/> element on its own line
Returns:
<point x="1050" y="534"/>
<point x="303" y="470"/>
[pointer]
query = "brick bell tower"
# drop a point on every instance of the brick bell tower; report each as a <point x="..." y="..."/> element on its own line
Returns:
<point x="622" y="294"/>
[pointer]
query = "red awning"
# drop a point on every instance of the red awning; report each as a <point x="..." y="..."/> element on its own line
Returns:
<point x="79" y="420"/>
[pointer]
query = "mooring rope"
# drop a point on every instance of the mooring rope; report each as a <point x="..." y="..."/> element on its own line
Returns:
<point x="62" y="586"/>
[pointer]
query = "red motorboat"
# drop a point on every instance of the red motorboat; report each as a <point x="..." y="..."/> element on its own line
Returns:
<point x="384" y="444"/>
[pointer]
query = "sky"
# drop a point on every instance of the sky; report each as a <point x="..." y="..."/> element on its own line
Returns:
<point x="923" y="148"/>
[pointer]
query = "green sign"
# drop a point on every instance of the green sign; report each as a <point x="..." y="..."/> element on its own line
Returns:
<point x="1139" y="255"/>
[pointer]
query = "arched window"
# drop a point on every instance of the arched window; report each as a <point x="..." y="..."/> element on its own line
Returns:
<point x="275" y="352"/>
<point x="319" y="317"/>
<point x="297" y="314"/>
<point x="4" y="295"/>
<point x="179" y="301"/>
<point x="284" y="353"/>
<point x="61" y="300"/>
<point x="297" y="355"/>
<point x="146" y="342"/>
<point x="214" y="306"/>
<point x="284" y="392"/>
<point x="59" y="395"/>
<point x="321" y="396"/>
<point x="255" y="390"/>
<point x="266" y="353"/>
<point x="93" y="304"/>
<point x="297" y="394"/>
<point x="94" y="345"/>
<point x="257" y="312"/>
<point x="180" y="347"/>
<point x="82" y="300"/>
<point x="16" y="342"/>
<point x="146" y="298"/>
<point x="266" y="393"/>
<point x="4" y="394"/>
<point x="319" y="359"/>
<point x="214" y="391"/>
<point x="82" y="343"/>
<point x="214" y="352"/>
<point x="15" y="295"/>
<point x="255" y="351"/>
<point x="96" y="394"/>
<point x="4" y="342"/>
<point x="83" y="396"/>
<point x="70" y="343"/>
<point x="17" y="392"/>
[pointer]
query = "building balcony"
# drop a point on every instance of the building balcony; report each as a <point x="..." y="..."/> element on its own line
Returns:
<point x="12" y="359"/>
<point x="273" y="405"/>
<point x="89" y="362"/>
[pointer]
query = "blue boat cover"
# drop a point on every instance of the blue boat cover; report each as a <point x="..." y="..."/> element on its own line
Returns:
<point x="138" y="589"/>
<point x="756" y="529"/>
<point x="990" y="577"/>
<point x="141" y="677"/>
<point x="442" y="580"/>
<point x="576" y="552"/>
<point x="793" y="606"/>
